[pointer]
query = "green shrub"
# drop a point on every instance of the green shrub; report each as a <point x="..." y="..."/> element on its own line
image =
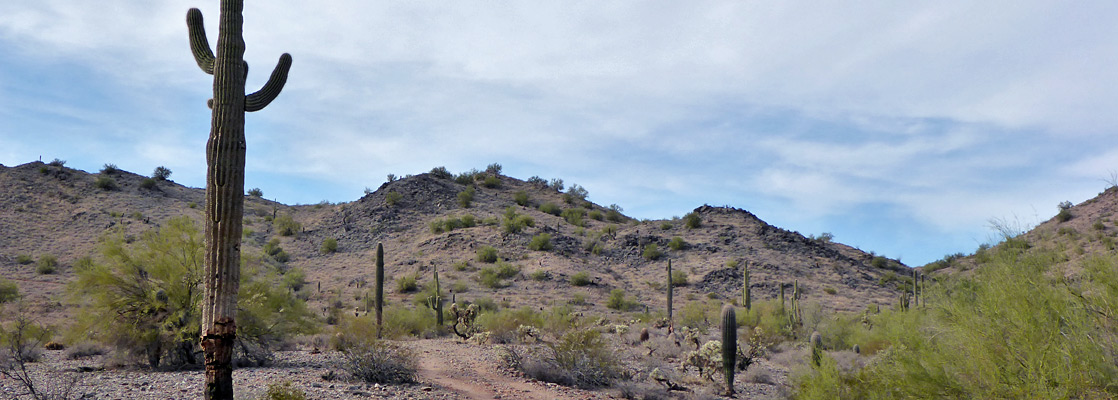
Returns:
<point x="9" y="291"/>
<point x="504" y="324"/>
<point x="491" y="181"/>
<point x="521" y="198"/>
<point x="651" y="252"/>
<point x="487" y="254"/>
<point x="407" y="284"/>
<point x="596" y="215"/>
<point x="539" y="275"/>
<point x="541" y="242"/>
<point x="24" y="259"/>
<point x="677" y="244"/>
<point x="550" y="208"/>
<point x="392" y="198"/>
<point x="679" y="278"/>
<point x="581" y="278"/>
<point x="294" y="278"/>
<point x="692" y="220"/>
<point x="830" y="290"/>
<point x="47" y="264"/>
<point x="284" y="390"/>
<point x="451" y="223"/>
<point x="580" y="358"/>
<point x="614" y="213"/>
<point x="105" y="183"/>
<point x="466" y="197"/>
<point x="147" y="183"/>
<point x="441" y="173"/>
<point x="574" y="216"/>
<point x="381" y="362"/>
<point x="285" y="225"/>
<point x="618" y="301"/>
<point x="109" y="168"/>
<point x="493" y="277"/>
<point x="459" y="287"/>
<point x="57" y="163"/>
<point x="665" y="225"/>
<point x="162" y="173"/>
<point x="575" y="194"/>
<point x="329" y="246"/>
<point x="256" y="192"/>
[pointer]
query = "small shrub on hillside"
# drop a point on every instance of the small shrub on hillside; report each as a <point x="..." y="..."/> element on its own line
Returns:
<point x="47" y="264"/>
<point x="574" y="216"/>
<point x="614" y="213"/>
<point x="679" y="278"/>
<point x="466" y="197"/>
<point x="535" y="180"/>
<point x="550" y="208"/>
<point x="487" y="254"/>
<point x="285" y="225"/>
<point x="677" y="244"/>
<point x="392" y="198"/>
<point x="441" y="173"/>
<point x="575" y="194"/>
<point x="491" y="182"/>
<point x="515" y="223"/>
<point x="9" y="291"/>
<point x="618" y="301"/>
<point x="521" y="198"/>
<point x="109" y="168"/>
<point x="451" y="223"/>
<point x="407" y="284"/>
<point x="556" y="184"/>
<point x="147" y="183"/>
<point x="581" y="278"/>
<point x="381" y="362"/>
<point x="105" y="183"/>
<point x="651" y="252"/>
<point x="24" y="259"/>
<point x="161" y="173"/>
<point x="283" y="391"/>
<point x="879" y="262"/>
<point x="57" y="163"/>
<point x="255" y="192"/>
<point x="541" y="242"/>
<point x="329" y="246"/>
<point x="692" y="220"/>
<point x="503" y="325"/>
<point x="580" y="358"/>
<point x="665" y="225"/>
<point x="493" y="277"/>
<point x="493" y="169"/>
<point x="596" y="215"/>
<point x="539" y="275"/>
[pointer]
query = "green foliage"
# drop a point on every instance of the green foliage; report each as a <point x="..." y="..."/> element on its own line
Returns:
<point x="491" y="181"/>
<point x="407" y="283"/>
<point x="551" y="208"/>
<point x="392" y="198"/>
<point x="581" y="278"/>
<point x="596" y="215"/>
<point x="539" y="275"/>
<point x="24" y="259"/>
<point x="575" y="216"/>
<point x="618" y="301"/>
<point x="700" y="315"/>
<point x="329" y="246"/>
<point x="575" y="194"/>
<point x="47" y="264"/>
<point x="585" y="359"/>
<point x="441" y="173"/>
<point x="466" y="197"/>
<point x="493" y="277"/>
<point x="514" y="223"/>
<point x="451" y="223"/>
<point x="144" y="298"/>
<point x="503" y="325"/>
<point x="1012" y="330"/>
<point x="521" y="198"/>
<point x="614" y="213"/>
<point x="284" y="390"/>
<point x="692" y="220"/>
<point x="105" y="183"/>
<point x="256" y="192"/>
<point x="109" y="168"/>
<point x="381" y="362"/>
<point x="879" y="262"/>
<point x="651" y="252"/>
<point x="487" y="254"/>
<point x="285" y="225"/>
<point x="9" y="291"/>
<point x="57" y="163"/>
<point x="147" y="183"/>
<point x="677" y="244"/>
<point x="541" y="242"/>
<point x="161" y="173"/>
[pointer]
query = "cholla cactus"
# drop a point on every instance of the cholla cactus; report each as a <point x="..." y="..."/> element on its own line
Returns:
<point x="706" y="359"/>
<point x="465" y="318"/>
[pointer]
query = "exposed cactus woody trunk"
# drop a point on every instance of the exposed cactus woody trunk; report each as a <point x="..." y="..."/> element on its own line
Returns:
<point x="225" y="181"/>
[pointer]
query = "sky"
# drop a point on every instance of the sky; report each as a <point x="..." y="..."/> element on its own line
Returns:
<point x="901" y="128"/>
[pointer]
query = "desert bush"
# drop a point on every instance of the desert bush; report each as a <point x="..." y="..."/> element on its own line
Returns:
<point x="161" y="173"/>
<point x="618" y="301"/>
<point x="255" y="192"/>
<point x="24" y="259"/>
<point x="105" y="183"/>
<point x="595" y="215"/>
<point x="143" y="298"/>
<point x="407" y="283"/>
<point x="580" y="358"/>
<point x="381" y="362"/>
<point x="581" y="278"/>
<point x="83" y="350"/>
<point x="466" y="197"/>
<point x="286" y="225"/>
<point x="493" y="169"/>
<point x="614" y="213"/>
<point x="487" y="254"/>
<point x="329" y="246"/>
<point x="539" y="275"/>
<point x="491" y="181"/>
<point x="550" y="208"/>
<point x="541" y="242"/>
<point x="147" y="183"/>
<point x="514" y="222"/>
<point x="521" y="198"/>
<point x="392" y="198"/>
<point x="575" y="194"/>
<point x="57" y="163"/>
<point x="677" y="244"/>
<point x="493" y="277"/>
<point x="109" y="169"/>
<point x="47" y="264"/>
<point x="503" y="326"/>
<point x="284" y="390"/>
<point x="699" y="314"/>
<point x="9" y="291"/>
<point x="556" y="184"/>
<point x="692" y="220"/>
<point x="535" y="180"/>
<point x="441" y="173"/>
<point x="651" y="252"/>
<point x="574" y="216"/>
<point x="451" y="223"/>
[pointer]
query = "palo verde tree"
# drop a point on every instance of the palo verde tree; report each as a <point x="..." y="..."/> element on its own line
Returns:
<point x="225" y="181"/>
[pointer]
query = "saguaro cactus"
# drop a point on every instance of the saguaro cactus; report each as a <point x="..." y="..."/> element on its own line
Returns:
<point x="671" y="326"/>
<point x="729" y="345"/>
<point x="436" y="301"/>
<point x="746" y="296"/>
<point x="817" y="349"/>
<point x="225" y="182"/>
<point x="379" y="294"/>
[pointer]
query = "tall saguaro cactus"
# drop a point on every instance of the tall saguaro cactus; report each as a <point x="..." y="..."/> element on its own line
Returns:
<point x="225" y="182"/>
<point x="379" y="294"/>
<point x="671" y="325"/>
<point x="729" y="346"/>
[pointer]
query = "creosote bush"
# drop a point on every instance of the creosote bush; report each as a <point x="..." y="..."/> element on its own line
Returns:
<point x="651" y="252"/>
<point x="161" y="173"/>
<point x="47" y="264"/>
<point x="284" y="390"/>
<point x="329" y="246"/>
<point x="285" y="225"/>
<point x="255" y="192"/>
<point x="550" y="208"/>
<point x="105" y="183"/>
<point x="692" y="220"/>
<point x="392" y="198"/>
<point x="381" y="362"/>
<point x="541" y="242"/>
<point x="9" y="291"/>
<point x="466" y="197"/>
<point x="487" y="254"/>
<point x="581" y="278"/>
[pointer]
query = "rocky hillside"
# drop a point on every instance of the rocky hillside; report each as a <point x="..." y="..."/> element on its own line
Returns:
<point x="62" y="212"/>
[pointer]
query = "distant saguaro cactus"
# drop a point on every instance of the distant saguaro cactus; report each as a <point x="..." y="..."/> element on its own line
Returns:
<point x="378" y="295"/>
<point x="746" y="296"/>
<point x="225" y="181"/>
<point x="671" y="325"/>
<point x="729" y="345"/>
<point x="816" y="349"/>
<point x="436" y="301"/>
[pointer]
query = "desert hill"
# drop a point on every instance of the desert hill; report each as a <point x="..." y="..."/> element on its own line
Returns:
<point x="62" y="212"/>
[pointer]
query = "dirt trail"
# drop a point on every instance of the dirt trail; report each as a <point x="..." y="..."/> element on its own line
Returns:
<point x="472" y="371"/>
